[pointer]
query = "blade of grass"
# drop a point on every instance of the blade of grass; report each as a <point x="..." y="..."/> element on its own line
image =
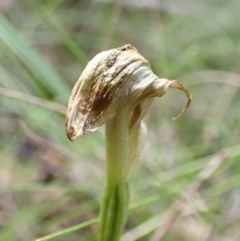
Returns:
<point x="35" y="63"/>
<point x="68" y="42"/>
<point x="69" y="230"/>
<point x="32" y="21"/>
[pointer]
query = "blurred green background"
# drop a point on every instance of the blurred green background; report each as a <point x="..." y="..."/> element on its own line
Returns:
<point x="48" y="183"/>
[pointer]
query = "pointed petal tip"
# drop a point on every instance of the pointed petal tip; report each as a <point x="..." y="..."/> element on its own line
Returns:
<point x="70" y="132"/>
<point x="73" y="133"/>
<point x="69" y="137"/>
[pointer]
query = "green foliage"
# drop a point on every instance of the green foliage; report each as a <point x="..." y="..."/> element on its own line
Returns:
<point x="49" y="183"/>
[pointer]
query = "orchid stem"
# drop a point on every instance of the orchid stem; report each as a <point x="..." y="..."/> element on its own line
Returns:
<point x="115" y="201"/>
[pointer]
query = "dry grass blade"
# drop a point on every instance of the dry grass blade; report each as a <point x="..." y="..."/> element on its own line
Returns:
<point x="178" y="206"/>
<point x="33" y="100"/>
<point x="164" y="222"/>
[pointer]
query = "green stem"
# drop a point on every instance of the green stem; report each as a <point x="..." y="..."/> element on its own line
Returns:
<point x="117" y="135"/>
<point x="115" y="201"/>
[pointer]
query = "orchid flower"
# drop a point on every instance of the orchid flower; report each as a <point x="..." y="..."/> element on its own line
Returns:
<point x="116" y="89"/>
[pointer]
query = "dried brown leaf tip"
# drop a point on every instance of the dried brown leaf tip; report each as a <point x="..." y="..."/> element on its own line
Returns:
<point x="113" y="79"/>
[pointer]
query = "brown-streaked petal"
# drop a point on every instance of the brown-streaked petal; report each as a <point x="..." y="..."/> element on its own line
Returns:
<point x="113" y="79"/>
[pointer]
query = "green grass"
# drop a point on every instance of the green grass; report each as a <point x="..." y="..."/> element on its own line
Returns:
<point x="49" y="184"/>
